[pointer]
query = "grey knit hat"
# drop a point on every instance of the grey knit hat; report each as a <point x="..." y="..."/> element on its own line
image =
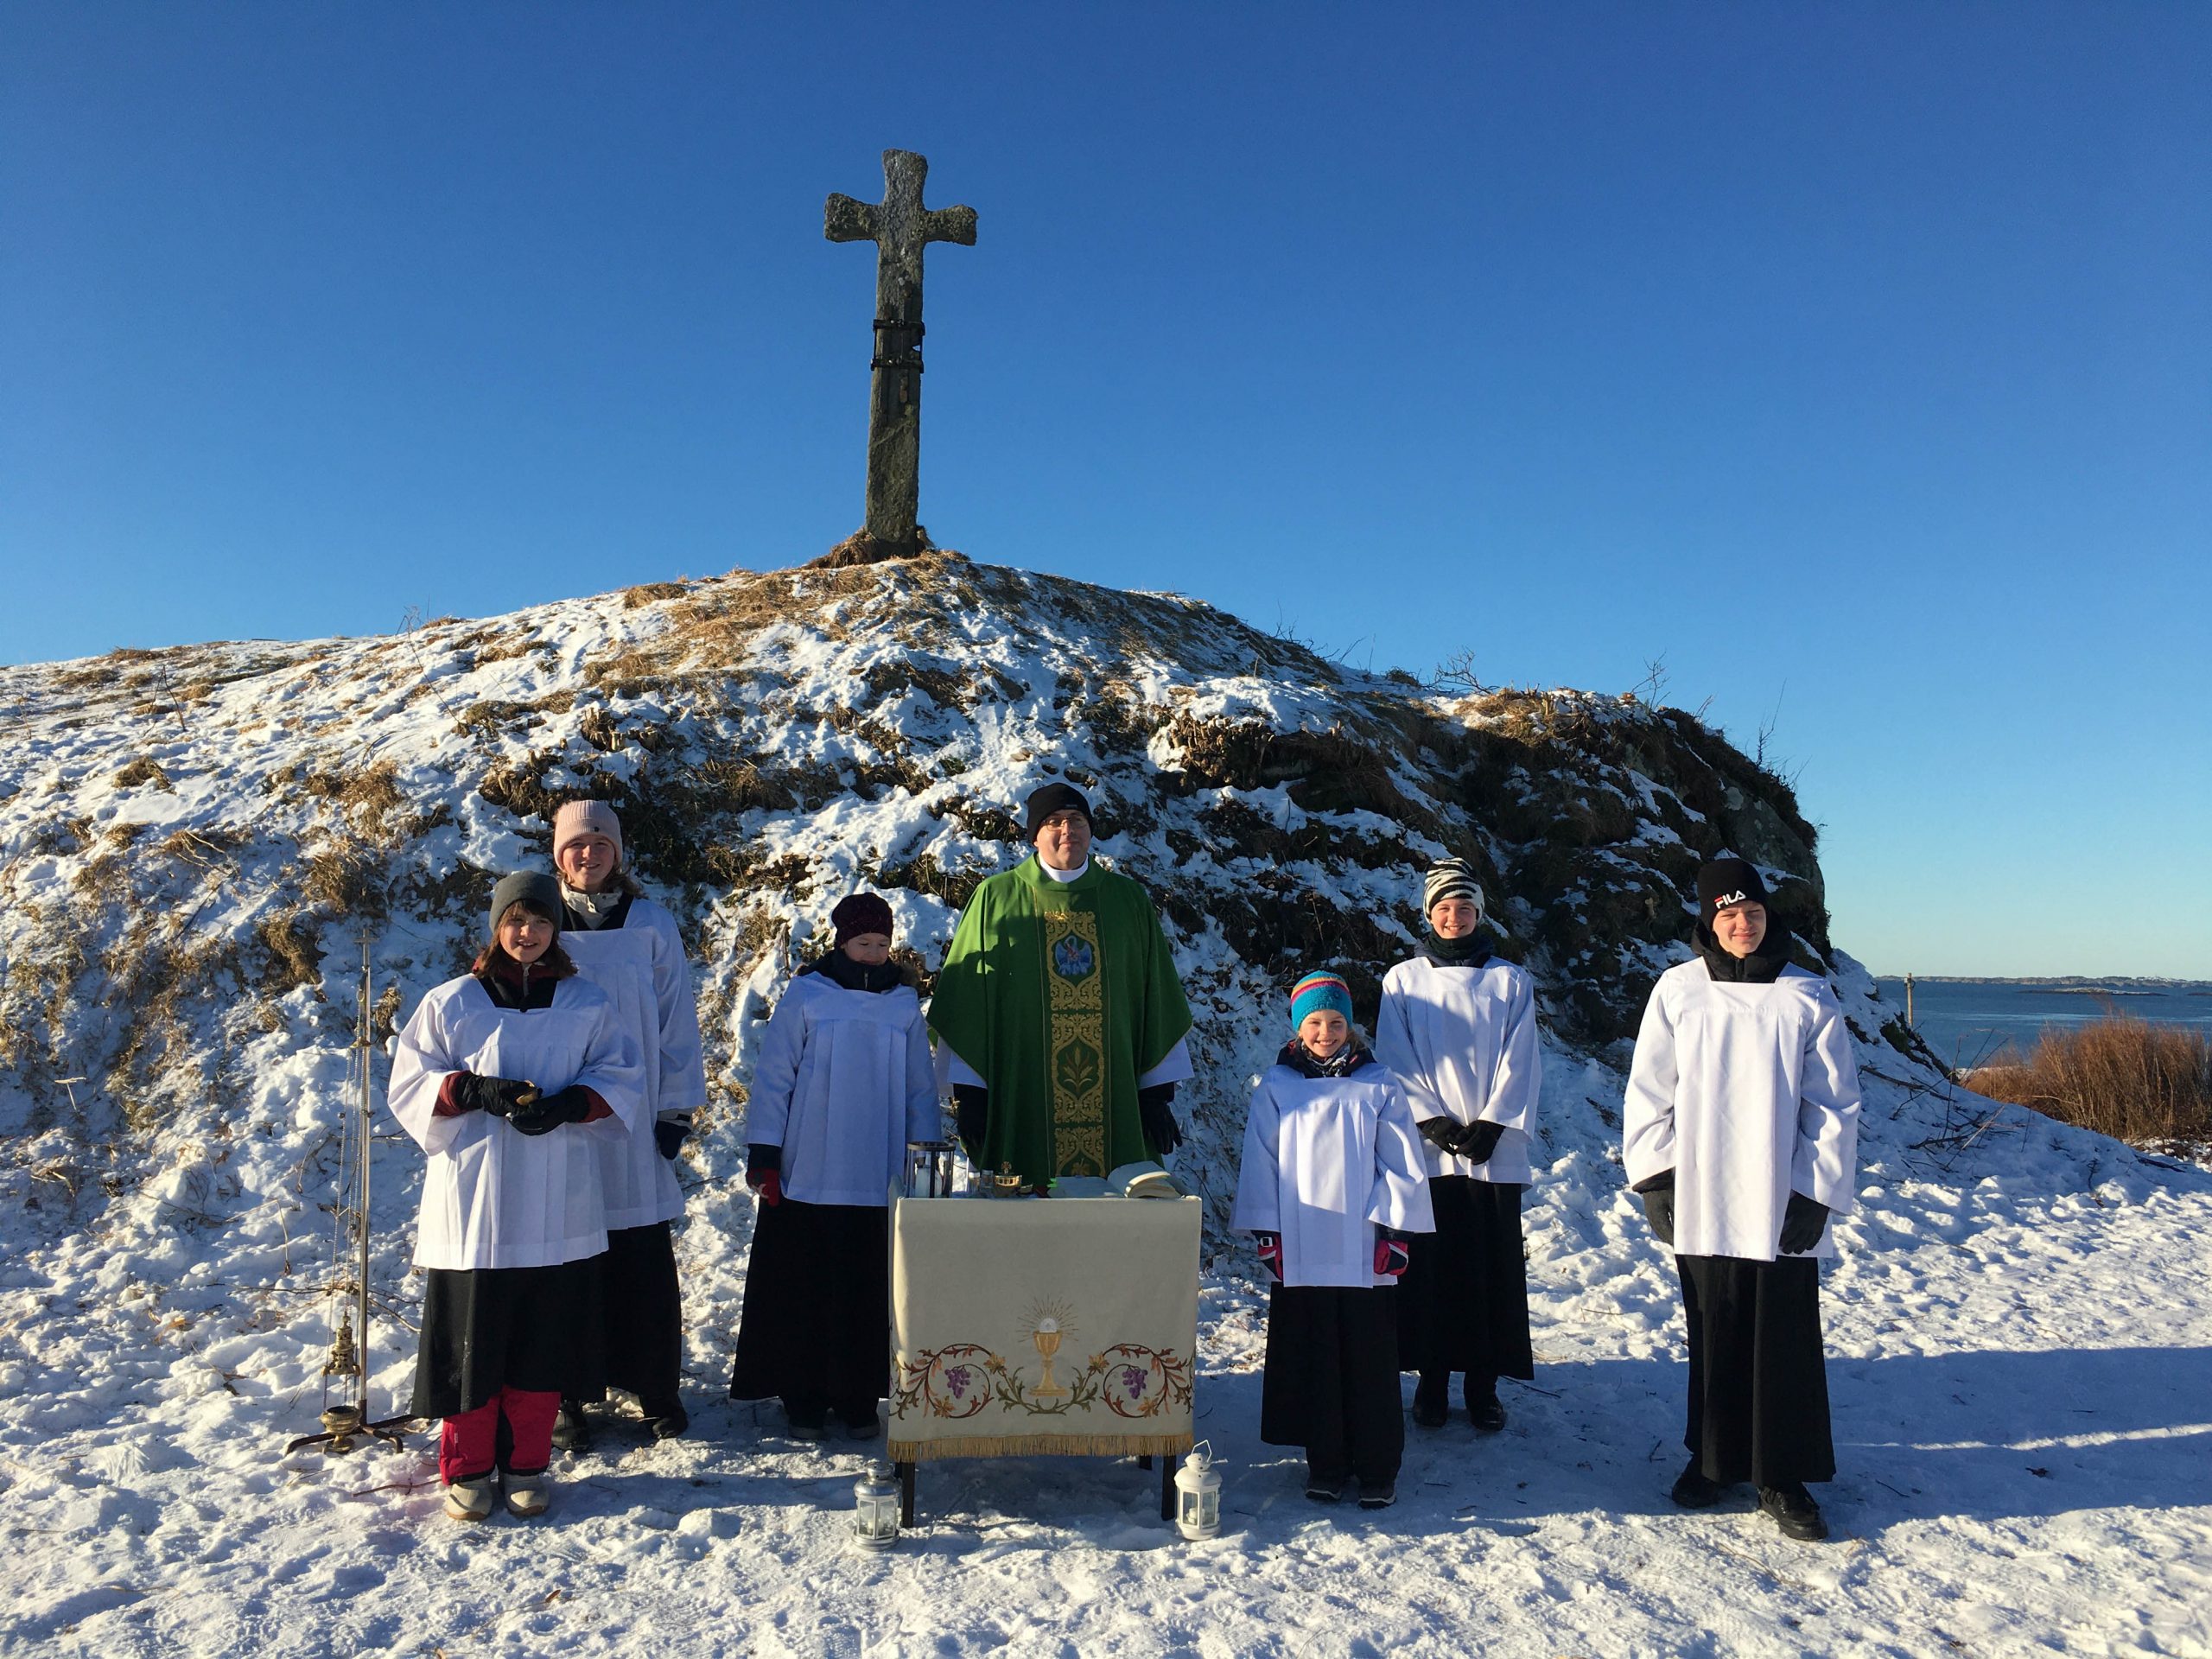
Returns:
<point x="533" y="887"/>
<point x="1451" y="878"/>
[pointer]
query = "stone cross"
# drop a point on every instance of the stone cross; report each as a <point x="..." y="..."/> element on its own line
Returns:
<point x="900" y="228"/>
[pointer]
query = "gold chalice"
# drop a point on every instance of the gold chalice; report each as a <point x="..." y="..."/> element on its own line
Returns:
<point x="1047" y="1336"/>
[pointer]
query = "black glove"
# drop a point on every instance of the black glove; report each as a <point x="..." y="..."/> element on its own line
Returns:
<point x="971" y="1110"/>
<point x="669" y="1133"/>
<point x="1802" y="1223"/>
<point x="1477" y="1140"/>
<point x="1442" y="1132"/>
<point x="497" y="1095"/>
<point x="1658" y="1196"/>
<point x="572" y="1105"/>
<point x="1160" y="1128"/>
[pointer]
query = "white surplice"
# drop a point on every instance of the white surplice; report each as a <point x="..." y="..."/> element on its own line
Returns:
<point x="493" y="1197"/>
<point x="1463" y="1042"/>
<point x="1747" y="1092"/>
<point x="1326" y="1162"/>
<point x="641" y="967"/>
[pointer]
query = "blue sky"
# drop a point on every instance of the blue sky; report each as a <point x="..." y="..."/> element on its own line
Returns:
<point x="1856" y="359"/>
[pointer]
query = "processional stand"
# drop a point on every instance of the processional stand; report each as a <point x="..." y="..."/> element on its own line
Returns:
<point x="344" y="1423"/>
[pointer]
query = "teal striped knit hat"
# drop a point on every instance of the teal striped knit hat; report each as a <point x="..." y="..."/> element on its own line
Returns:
<point x="1316" y="992"/>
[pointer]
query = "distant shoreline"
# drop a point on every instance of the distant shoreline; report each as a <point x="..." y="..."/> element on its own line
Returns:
<point x="2114" y="984"/>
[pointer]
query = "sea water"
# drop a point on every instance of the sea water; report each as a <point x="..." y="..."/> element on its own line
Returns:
<point x="1983" y="1021"/>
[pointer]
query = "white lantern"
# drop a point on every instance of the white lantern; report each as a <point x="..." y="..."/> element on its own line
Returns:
<point x="876" y="1509"/>
<point x="1198" y="1495"/>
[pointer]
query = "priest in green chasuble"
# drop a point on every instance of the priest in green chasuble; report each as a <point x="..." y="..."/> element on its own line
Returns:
<point x="1062" y="1010"/>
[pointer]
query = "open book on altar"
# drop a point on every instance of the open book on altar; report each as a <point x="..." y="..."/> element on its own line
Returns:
<point x="1144" y="1179"/>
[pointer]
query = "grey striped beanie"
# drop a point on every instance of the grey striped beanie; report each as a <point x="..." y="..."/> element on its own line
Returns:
<point x="1451" y="878"/>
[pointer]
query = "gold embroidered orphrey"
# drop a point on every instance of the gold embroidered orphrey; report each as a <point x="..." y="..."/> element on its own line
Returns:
<point x="1075" y="1015"/>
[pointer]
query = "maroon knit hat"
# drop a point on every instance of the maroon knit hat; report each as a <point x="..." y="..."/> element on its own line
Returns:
<point x="864" y="912"/>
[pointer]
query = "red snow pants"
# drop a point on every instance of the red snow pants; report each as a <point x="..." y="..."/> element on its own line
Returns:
<point x="512" y="1430"/>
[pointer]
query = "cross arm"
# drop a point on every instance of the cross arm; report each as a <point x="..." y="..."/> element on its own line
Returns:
<point x="844" y="220"/>
<point x="951" y="225"/>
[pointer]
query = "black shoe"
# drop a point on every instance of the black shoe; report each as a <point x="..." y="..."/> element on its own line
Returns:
<point x="1325" y="1489"/>
<point x="1488" y="1415"/>
<point x="1431" y="1401"/>
<point x="1694" y="1491"/>
<point x="571" y="1428"/>
<point x="667" y="1422"/>
<point x="1377" y="1494"/>
<point x="861" y="1422"/>
<point x="805" y="1423"/>
<point x="1794" y="1511"/>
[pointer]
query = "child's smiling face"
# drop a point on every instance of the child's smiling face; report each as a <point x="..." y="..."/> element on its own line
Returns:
<point x="1324" y="1032"/>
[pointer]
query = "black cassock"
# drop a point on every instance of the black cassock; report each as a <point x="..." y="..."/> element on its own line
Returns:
<point x="488" y="1328"/>
<point x="1330" y="1382"/>
<point x="1758" y="1380"/>
<point x="815" y="1330"/>
<point x="1463" y="1304"/>
<point x="645" y="1317"/>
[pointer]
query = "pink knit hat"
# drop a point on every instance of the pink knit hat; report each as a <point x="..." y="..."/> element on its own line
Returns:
<point x="577" y="819"/>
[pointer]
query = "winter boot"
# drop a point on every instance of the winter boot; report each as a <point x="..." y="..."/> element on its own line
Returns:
<point x="526" y="1496"/>
<point x="861" y="1420"/>
<point x="1482" y="1406"/>
<point x="803" y="1420"/>
<point x="1324" y="1486"/>
<point x="571" y="1428"/>
<point x="668" y="1421"/>
<point x="1694" y="1491"/>
<point x="1433" y="1400"/>
<point x="1794" y="1511"/>
<point x="471" y="1500"/>
<point x="1379" y="1494"/>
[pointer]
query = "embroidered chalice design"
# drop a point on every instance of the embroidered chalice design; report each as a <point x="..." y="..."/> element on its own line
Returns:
<point x="1049" y="1324"/>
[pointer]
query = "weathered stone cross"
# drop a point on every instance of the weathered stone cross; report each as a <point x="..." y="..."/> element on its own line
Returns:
<point x="900" y="228"/>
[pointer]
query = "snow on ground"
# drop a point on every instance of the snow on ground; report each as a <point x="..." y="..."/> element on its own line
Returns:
<point x="2021" y="1347"/>
<point x="2021" y="1370"/>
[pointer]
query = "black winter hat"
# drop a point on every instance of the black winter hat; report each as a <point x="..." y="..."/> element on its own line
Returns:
<point x="1054" y="798"/>
<point x="864" y="912"/>
<point x="1724" y="881"/>
<point x="533" y="887"/>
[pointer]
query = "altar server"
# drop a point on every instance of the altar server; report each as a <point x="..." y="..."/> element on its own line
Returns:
<point x="1740" y="1134"/>
<point x="513" y="1078"/>
<point x="1331" y="1186"/>
<point x="630" y="948"/>
<point x="843" y="1082"/>
<point x="1458" y="1027"/>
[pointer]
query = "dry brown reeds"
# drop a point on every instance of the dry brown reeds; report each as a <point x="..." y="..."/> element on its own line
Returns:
<point x="2147" y="1084"/>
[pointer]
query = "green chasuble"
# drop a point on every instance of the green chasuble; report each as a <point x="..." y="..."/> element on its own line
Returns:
<point x="1060" y="995"/>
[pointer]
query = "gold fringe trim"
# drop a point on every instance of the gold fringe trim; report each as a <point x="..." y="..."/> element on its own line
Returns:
<point x="1043" y="1446"/>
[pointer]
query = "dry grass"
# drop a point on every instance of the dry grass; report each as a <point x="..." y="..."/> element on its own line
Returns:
<point x="2149" y="1085"/>
<point x="143" y="769"/>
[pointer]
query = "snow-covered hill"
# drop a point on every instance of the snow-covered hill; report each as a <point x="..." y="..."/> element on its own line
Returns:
<point x="193" y="843"/>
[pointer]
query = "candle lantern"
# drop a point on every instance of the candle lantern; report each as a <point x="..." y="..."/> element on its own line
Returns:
<point x="1198" y="1495"/>
<point x="929" y="1169"/>
<point x="876" y="1509"/>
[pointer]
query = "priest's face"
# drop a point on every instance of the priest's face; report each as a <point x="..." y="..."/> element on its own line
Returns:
<point x="1453" y="918"/>
<point x="524" y="934"/>
<point x="1064" y="840"/>
<point x="1324" y="1032"/>
<point x="1740" y="928"/>
<point x="586" y="863"/>
<point x="869" y="950"/>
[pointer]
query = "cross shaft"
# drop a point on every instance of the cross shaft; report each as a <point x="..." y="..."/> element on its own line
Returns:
<point x="900" y="228"/>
